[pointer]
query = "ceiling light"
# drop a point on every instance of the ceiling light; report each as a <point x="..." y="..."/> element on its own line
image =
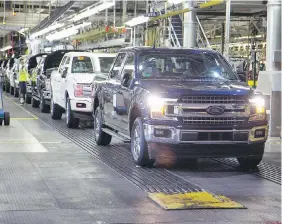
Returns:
<point x="23" y="30"/>
<point x="66" y="32"/>
<point x="91" y="11"/>
<point x="6" y="48"/>
<point x="47" y="30"/>
<point x="137" y="21"/>
<point x="62" y="34"/>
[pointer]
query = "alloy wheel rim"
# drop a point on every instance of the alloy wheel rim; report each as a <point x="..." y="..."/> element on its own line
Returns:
<point x="136" y="143"/>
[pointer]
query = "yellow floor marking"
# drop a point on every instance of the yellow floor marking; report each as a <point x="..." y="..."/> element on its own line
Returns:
<point x="33" y="116"/>
<point x="50" y="142"/>
<point x="24" y="118"/>
<point x="193" y="200"/>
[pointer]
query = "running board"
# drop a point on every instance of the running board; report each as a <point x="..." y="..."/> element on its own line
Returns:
<point x="117" y="135"/>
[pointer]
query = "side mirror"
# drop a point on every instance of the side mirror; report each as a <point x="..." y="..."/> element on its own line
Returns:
<point x="125" y="80"/>
<point x="64" y="72"/>
<point x="242" y="77"/>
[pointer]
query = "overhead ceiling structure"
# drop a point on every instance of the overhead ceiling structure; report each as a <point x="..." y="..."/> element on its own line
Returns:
<point x="247" y="20"/>
<point x="16" y="15"/>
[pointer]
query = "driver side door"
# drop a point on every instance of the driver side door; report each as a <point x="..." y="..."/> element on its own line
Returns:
<point x="56" y="81"/>
<point x="64" y="81"/>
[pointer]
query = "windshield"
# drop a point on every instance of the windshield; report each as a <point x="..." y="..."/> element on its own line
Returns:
<point x="82" y="64"/>
<point x="204" y="65"/>
<point x="105" y="64"/>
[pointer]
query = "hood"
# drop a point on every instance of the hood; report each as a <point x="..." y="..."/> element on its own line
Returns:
<point x="83" y="78"/>
<point x="176" y="88"/>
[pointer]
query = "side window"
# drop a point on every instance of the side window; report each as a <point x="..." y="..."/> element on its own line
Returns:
<point x="128" y="70"/>
<point x="117" y="65"/>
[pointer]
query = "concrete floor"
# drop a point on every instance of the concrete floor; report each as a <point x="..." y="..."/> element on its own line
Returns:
<point x="45" y="178"/>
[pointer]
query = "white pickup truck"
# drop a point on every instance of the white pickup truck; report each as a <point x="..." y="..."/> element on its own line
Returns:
<point x="71" y="85"/>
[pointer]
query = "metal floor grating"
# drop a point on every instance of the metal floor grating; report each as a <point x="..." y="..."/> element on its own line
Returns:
<point x="120" y="159"/>
<point x="265" y="170"/>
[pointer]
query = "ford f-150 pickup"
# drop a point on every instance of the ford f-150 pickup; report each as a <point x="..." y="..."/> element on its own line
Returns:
<point x="183" y="103"/>
<point x="71" y="85"/>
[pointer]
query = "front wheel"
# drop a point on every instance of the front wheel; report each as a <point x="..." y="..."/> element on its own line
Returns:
<point x="6" y="118"/>
<point x="34" y="103"/>
<point x="27" y="99"/>
<point x="101" y="137"/>
<point x="72" y="122"/>
<point x="56" y="111"/>
<point x="12" y="90"/>
<point x="44" y="108"/>
<point x="251" y="162"/>
<point x="139" y="147"/>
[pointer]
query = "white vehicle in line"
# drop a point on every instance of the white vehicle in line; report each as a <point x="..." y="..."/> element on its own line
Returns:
<point x="71" y="85"/>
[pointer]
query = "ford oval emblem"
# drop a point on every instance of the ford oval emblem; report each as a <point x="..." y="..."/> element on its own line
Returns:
<point x="215" y="110"/>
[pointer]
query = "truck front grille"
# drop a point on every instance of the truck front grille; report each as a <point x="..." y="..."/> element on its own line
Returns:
<point x="213" y="99"/>
<point x="214" y="120"/>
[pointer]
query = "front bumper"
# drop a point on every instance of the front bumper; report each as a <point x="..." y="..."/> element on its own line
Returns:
<point x="205" y="141"/>
<point x="204" y="136"/>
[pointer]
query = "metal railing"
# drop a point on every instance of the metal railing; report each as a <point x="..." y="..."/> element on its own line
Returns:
<point x="205" y="41"/>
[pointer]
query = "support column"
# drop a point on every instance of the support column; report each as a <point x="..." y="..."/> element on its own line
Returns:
<point x="227" y="29"/>
<point x="134" y="28"/>
<point x="273" y="64"/>
<point x="190" y="24"/>
<point x="222" y="38"/>
<point x="124" y="11"/>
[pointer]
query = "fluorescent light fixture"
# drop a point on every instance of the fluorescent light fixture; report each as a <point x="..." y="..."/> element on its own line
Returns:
<point x="47" y="30"/>
<point x="66" y="32"/>
<point x="137" y="21"/>
<point x="91" y="11"/>
<point x="6" y="48"/>
<point x="23" y="30"/>
<point x="62" y="34"/>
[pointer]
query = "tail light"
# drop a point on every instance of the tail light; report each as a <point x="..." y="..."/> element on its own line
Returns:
<point x="78" y="90"/>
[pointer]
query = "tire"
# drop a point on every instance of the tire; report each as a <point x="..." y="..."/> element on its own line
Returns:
<point x="6" y="118"/>
<point x="56" y="111"/>
<point x="28" y="99"/>
<point x="252" y="162"/>
<point x="72" y="122"/>
<point x="1" y="121"/>
<point x="101" y="137"/>
<point x="44" y="108"/>
<point x="34" y="103"/>
<point x="7" y="87"/>
<point x="12" y="90"/>
<point x="139" y="147"/>
<point x="16" y="92"/>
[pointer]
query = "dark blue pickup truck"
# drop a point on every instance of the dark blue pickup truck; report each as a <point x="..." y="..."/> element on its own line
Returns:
<point x="180" y="103"/>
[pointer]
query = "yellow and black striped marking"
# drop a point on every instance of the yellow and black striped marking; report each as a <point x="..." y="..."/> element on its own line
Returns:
<point x="193" y="200"/>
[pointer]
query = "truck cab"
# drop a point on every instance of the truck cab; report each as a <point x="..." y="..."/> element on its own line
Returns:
<point x="71" y="85"/>
<point x="179" y="103"/>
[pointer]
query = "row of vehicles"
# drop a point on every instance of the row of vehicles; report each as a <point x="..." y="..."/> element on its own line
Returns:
<point x="178" y="103"/>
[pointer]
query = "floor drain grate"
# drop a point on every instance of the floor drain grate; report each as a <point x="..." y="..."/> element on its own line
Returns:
<point x="265" y="170"/>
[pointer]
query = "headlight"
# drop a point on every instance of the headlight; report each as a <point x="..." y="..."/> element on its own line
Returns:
<point x="257" y="106"/>
<point x="156" y="105"/>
